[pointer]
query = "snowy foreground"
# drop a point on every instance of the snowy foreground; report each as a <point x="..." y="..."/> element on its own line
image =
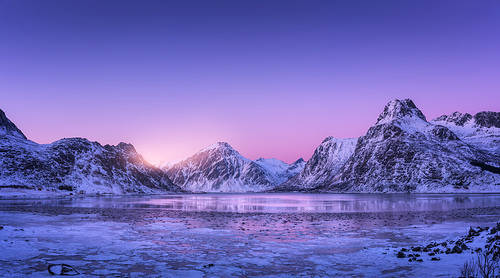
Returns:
<point x="228" y="235"/>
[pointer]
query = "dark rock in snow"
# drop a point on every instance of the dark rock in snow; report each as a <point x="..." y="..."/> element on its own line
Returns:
<point x="492" y="247"/>
<point x="473" y="233"/>
<point x="416" y="249"/>
<point x="62" y="269"/>
<point x="488" y="119"/>
<point x="456" y="249"/>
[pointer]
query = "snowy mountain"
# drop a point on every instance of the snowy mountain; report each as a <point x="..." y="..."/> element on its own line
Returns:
<point x="327" y="160"/>
<point x="220" y="168"/>
<point x="75" y="165"/>
<point x="165" y="165"/>
<point x="481" y="130"/>
<point x="402" y="152"/>
<point x="279" y="170"/>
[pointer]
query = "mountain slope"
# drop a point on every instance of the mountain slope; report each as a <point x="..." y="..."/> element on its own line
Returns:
<point x="327" y="160"/>
<point x="76" y="165"/>
<point x="403" y="152"/>
<point x="281" y="171"/>
<point x="220" y="168"/>
<point x="481" y="130"/>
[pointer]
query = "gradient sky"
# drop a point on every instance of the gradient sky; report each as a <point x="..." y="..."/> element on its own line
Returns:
<point x="272" y="78"/>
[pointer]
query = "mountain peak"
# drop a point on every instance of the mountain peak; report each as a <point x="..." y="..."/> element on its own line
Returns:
<point x="398" y="109"/>
<point x="219" y="149"/>
<point x="218" y="146"/>
<point x="9" y="128"/>
<point x="127" y="147"/>
<point x="298" y="161"/>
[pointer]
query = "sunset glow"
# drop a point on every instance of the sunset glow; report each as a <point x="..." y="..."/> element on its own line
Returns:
<point x="172" y="78"/>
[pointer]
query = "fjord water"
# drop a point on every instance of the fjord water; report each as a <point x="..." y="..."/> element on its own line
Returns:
<point x="285" y="202"/>
<point x="227" y="235"/>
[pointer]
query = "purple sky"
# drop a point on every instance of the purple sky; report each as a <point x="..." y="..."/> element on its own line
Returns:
<point x="272" y="78"/>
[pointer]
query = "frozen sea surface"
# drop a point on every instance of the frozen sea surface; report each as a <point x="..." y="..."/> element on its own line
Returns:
<point x="231" y="235"/>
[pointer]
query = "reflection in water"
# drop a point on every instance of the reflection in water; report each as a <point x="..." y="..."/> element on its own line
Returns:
<point x="285" y="202"/>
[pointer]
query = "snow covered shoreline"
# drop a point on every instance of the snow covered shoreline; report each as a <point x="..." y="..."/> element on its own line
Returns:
<point x="118" y="239"/>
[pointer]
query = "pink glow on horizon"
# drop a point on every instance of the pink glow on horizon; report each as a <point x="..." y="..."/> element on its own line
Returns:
<point x="159" y="137"/>
<point x="271" y="78"/>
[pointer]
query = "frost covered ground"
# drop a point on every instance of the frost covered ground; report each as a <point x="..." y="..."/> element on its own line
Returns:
<point x="228" y="235"/>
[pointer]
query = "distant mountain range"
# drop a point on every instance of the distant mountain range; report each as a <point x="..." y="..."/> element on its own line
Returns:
<point x="402" y="152"/>
<point x="220" y="168"/>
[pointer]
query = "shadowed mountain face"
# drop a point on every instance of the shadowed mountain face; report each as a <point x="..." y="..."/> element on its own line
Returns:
<point x="220" y="168"/>
<point x="403" y="152"/>
<point x="487" y="119"/>
<point x="327" y="160"/>
<point x="76" y="165"/>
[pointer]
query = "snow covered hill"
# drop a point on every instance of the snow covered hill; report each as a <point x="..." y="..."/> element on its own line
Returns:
<point x="481" y="130"/>
<point x="74" y="165"/>
<point x="403" y="152"/>
<point x="220" y="168"/>
<point x="281" y="171"/>
<point x="324" y="164"/>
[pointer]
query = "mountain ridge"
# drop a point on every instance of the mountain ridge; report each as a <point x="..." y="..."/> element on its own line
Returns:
<point x="220" y="168"/>
<point x="75" y="165"/>
<point x="403" y="152"/>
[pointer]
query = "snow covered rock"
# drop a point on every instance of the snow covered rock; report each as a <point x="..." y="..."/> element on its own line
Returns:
<point x="327" y="160"/>
<point x="220" y="168"/>
<point x="75" y="165"/>
<point x="398" y="110"/>
<point x="281" y="171"/>
<point x="481" y="130"/>
<point x="403" y="152"/>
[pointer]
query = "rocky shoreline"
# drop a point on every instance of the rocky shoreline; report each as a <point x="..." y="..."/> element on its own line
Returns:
<point x="482" y="241"/>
